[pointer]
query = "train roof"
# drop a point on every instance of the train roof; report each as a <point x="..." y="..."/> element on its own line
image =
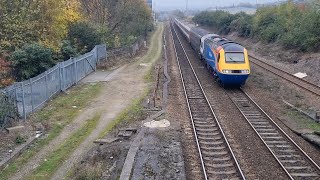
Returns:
<point x="232" y="47"/>
<point x="227" y="44"/>
<point x="199" y="31"/>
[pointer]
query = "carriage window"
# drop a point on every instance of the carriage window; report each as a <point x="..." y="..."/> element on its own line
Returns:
<point x="235" y="57"/>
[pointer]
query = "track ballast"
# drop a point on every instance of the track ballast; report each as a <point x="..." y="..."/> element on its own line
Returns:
<point x="217" y="158"/>
<point x="294" y="161"/>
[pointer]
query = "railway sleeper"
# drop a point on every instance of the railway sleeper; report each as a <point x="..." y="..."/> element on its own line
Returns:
<point x="213" y="148"/>
<point x="273" y="137"/>
<point x="220" y="159"/>
<point x="210" y="138"/>
<point x="231" y="172"/>
<point x="207" y="129"/>
<point x="297" y="167"/>
<point x="214" y="154"/>
<point x="304" y="175"/>
<point x="289" y="156"/>
<point x="263" y="126"/>
<point x="211" y="143"/>
<point x="293" y="161"/>
<point x="207" y="134"/>
<point x="266" y="130"/>
<point x="276" y="142"/>
<point x="210" y="119"/>
<point x="226" y="165"/>
<point x="259" y="122"/>
<point x="280" y="146"/>
<point x="207" y="125"/>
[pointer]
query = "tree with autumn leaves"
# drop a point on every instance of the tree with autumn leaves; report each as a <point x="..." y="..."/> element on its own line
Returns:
<point x="55" y="26"/>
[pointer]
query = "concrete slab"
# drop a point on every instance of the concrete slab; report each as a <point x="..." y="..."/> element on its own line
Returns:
<point x="15" y="129"/>
<point x="102" y="76"/>
<point x="301" y="75"/>
<point x="128" y="165"/>
<point x="106" y="141"/>
<point x="157" y="124"/>
<point x="312" y="138"/>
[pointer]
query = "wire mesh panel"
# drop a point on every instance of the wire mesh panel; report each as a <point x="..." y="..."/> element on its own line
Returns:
<point x="26" y="97"/>
<point x="8" y="108"/>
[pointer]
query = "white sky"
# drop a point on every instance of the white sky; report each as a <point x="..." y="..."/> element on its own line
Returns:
<point x="199" y="4"/>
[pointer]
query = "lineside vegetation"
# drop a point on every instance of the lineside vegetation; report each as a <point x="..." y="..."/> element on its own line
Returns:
<point x="49" y="31"/>
<point x="293" y="26"/>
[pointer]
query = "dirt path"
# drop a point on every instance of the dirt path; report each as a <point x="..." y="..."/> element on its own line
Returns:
<point x="116" y="95"/>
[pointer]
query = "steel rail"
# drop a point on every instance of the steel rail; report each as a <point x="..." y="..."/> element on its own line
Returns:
<point x="311" y="87"/>
<point x="285" y="135"/>
<point x="207" y="101"/>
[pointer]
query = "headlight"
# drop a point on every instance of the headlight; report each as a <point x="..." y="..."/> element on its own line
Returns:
<point x="226" y="71"/>
<point x="245" y="71"/>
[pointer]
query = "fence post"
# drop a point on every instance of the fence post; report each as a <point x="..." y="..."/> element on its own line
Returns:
<point x="46" y="81"/>
<point x="23" y="102"/>
<point x="75" y="70"/>
<point x="97" y="59"/>
<point x="31" y="89"/>
<point x="60" y="75"/>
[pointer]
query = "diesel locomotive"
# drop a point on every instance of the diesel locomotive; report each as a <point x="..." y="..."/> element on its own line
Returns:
<point x="226" y="60"/>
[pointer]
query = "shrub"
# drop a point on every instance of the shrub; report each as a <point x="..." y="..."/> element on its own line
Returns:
<point x="242" y="24"/>
<point x="31" y="60"/>
<point x="67" y="51"/>
<point x="83" y="36"/>
<point x="294" y="26"/>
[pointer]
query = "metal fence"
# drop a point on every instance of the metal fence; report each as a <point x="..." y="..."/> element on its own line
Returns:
<point x="28" y="96"/>
<point x="130" y="51"/>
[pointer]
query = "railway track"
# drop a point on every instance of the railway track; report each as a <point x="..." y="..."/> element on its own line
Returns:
<point x="217" y="158"/>
<point x="294" y="161"/>
<point x="313" y="88"/>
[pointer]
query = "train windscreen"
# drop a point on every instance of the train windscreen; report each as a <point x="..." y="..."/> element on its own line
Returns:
<point x="235" y="57"/>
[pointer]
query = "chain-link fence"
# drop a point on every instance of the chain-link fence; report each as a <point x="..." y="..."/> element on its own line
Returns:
<point x="28" y="96"/>
<point x="130" y="51"/>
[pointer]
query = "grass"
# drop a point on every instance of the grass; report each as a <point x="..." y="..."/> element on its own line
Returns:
<point x="130" y="114"/>
<point x="303" y="120"/>
<point x="58" y="113"/>
<point x="57" y="157"/>
<point x="135" y="110"/>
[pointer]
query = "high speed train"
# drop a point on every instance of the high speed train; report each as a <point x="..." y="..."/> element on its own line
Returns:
<point x="226" y="60"/>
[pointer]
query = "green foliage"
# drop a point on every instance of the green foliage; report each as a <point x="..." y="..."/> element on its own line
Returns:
<point x="124" y="21"/>
<point x="31" y="60"/>
<point x="67" y="50"/>
<point x="20" y="139"/>
<point x="291" y="25"/>
<point x="84" y="36"/>
<point x="219" y="19"/>
<point x="242" y="24"/>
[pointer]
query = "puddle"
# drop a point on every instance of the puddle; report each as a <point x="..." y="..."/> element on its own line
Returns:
<point x="157" y="124"/>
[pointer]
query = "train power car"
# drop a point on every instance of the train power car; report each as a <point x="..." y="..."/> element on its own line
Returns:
<point x="225" y="59"/>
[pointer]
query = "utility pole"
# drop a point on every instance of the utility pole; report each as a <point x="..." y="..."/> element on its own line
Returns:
<point x="187" y="4"/>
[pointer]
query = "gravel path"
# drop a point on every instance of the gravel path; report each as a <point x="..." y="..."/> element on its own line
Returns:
<point x="116" y="95"/>
<point x="128" y="86"/>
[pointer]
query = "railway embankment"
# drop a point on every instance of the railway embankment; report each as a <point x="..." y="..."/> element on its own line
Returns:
<point x="273" y="90"/>
<point x="144" y="140"/>
<point x="107" y="109"/>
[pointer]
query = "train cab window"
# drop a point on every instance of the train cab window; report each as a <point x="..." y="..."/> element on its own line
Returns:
<point x="218" y="58"/>
<point x="235" y="57"/>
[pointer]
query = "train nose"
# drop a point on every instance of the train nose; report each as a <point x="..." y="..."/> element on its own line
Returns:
<point x="234" y="80"/>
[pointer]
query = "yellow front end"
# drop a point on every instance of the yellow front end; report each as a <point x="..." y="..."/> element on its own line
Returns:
<point x="234" y="72"/>
<point x="233" y="68"/>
